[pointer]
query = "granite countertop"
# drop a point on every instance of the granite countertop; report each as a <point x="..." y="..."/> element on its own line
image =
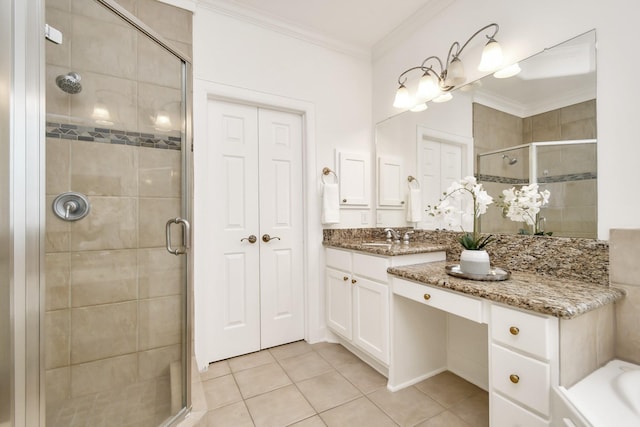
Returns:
<point x="391" y="249"/>
<point x="562" y="298"/>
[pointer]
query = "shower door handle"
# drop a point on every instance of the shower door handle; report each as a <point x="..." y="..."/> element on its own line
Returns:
<point x="186" y="236"/>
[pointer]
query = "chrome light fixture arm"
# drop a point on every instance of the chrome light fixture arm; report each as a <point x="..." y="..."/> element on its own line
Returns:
<point x="459" y="51"/>
<point x="451" y="73"/>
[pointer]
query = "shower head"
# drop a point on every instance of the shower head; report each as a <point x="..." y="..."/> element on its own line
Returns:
<point x="512" y="160"/>
<point x="69" y="83"/>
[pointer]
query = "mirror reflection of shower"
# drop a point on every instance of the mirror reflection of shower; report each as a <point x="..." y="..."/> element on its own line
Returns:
<point x="510" y="160"/>
<point x="566" y="168"/>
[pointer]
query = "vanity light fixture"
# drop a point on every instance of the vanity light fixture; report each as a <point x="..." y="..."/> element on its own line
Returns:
<point x="434" y="83"/>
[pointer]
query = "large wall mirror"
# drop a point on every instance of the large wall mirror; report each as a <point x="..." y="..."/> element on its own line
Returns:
<point x="538" y="126"/>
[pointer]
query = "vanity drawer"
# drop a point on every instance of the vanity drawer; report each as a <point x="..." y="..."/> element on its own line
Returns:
<point x="523" y="331"/>
<point x="370" y="266"/>
<point x="522" y="378"/>
<point x="505" y="413"/>
<point x="451" y="302"/>
<point x="338" y="259"/>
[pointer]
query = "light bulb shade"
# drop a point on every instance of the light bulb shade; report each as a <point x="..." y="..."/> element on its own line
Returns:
<point x="506" y="72"/>
<point x="419" y="107"/>
<point x="455" y="73"/>
<point x="491" y="57"/>
<point x="443" y="98"/>
<point x="427" y="88"/>
<point x="403" y="100"/>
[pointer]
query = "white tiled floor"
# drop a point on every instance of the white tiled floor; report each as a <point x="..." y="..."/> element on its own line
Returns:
<point x="325" y="385"/>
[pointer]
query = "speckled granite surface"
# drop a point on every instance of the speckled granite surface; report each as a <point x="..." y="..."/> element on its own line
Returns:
<point x="585" y="260"/>
<point x="562" y="298"/>
<point x="390" y="250"/>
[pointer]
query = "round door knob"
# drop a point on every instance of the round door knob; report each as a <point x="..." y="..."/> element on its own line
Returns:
<point x="427" y="297"/>
<point x="514" y="378"/>
<point x="514" y="330"/>
<point x="252" y="239"/>
<point x="345" y="278"/>
<point x="344" y="200"/>
<point x="354" y="281"/>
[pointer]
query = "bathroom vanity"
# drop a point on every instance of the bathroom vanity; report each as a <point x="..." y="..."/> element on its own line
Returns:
<point x="416" y="321"/>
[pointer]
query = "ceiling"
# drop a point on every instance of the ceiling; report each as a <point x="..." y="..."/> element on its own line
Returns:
<point x="368" y="27"/>
<point x="358" y="23"/>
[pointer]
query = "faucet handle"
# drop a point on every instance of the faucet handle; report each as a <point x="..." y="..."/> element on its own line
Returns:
<point x="406" y="236"/>
<point x="389" y="234"/>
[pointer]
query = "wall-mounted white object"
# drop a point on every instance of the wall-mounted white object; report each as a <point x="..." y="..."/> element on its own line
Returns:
<point x="330" y="206"/>
<point x="390" y="182"/>
<point x="354" y="178"/>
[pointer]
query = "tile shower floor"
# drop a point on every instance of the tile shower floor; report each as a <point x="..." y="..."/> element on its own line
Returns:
<point x="143" y="404"/>
<point x="325" y="385"/>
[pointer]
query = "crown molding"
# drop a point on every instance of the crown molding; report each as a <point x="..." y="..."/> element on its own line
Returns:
<point x="409" y="26"/>
<point x="528" y="110"/>
<point x="270" y="22"/>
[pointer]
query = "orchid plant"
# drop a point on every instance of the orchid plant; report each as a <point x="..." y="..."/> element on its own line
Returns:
<point x="452" y="214"/>
<point x="523" y="205"/>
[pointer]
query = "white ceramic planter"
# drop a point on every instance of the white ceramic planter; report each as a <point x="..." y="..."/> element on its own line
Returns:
<point x="474" y="262"/>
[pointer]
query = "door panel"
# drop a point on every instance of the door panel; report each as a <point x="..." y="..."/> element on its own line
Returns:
<point x="371" y="323"/>
<point x="339" y="311"/>
<point x="233" y="164"/>
<point x="255" y="159"/>
<point x="282" y="316"/>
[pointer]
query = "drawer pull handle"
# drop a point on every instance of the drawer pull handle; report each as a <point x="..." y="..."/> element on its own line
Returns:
<point x="354" y="281"/>
<point x="345" y="278"/>
<point x="427" y="297"/>
<point x="514" y="378"/>
<point x="514" y="330"/>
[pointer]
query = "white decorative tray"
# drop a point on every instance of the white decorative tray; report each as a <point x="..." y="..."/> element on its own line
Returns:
<point x="495" y="274"/>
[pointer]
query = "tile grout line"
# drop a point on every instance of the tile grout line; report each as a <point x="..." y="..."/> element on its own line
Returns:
<point x="296" y="385"/>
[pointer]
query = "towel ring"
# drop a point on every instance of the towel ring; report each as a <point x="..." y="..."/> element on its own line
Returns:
<point x="412" y="179"/>
<point x="326" y="171"/>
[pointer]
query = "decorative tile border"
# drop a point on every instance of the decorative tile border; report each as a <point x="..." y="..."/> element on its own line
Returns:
<point x="112" y="136"/>
<point x="541" y="180"/>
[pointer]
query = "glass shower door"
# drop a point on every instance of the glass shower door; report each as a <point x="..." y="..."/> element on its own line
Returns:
<point x="116" y="333"/>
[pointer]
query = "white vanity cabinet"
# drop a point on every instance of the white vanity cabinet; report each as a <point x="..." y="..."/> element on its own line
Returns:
<point x="358" y="297"/>
<point x="523" y="365"/>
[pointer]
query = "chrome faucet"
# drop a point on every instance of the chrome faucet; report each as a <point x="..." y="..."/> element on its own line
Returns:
<point x="392" y="235"/>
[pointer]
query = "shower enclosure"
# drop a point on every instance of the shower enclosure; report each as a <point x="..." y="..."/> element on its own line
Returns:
<point x="566" y="168"/>
<point x="116" y="324"/>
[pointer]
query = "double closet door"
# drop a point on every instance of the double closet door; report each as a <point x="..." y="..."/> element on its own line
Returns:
<point x="256" y="245"/>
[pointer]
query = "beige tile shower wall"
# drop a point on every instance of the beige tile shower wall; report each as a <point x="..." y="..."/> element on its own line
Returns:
<point x="576" y="121"/>
<point x="132" y="76"/>
<point x="625" y="273"/>
<point x="494" y="129"/>
<point x="113" y="292"/>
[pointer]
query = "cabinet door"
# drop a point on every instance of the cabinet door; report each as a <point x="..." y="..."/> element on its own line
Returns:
<point x="339" y="311"/>
<point x="390" y="182"/>
<point x="355" y="179"/>
<point x="371" y="317"/>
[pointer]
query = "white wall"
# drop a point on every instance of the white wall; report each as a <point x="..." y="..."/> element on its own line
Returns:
<point x="240" y="54"/>
<point x="251" y="61"/>
<point x="525" y="29"/>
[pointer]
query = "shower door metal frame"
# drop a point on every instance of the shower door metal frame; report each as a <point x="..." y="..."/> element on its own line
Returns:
<point x="22" y="110"/>
<point x="533" y="152"/>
